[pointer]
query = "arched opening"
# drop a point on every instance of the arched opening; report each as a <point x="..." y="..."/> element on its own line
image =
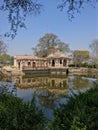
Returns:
<point x="64" y="62"/>
<point x="60" y="61"/>
<point x="33" y="64"/>
<point x="29" y="64"/>
<point x="19" y="65"/>
<point x="53" y="62"/>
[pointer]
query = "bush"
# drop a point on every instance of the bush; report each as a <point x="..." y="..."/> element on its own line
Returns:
<point x="18" y="115"/>
<point x="80" y="113"/>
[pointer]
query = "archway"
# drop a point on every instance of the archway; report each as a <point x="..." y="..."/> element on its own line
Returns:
<point x="53" y="62"/>
<point x="33" y="64"/>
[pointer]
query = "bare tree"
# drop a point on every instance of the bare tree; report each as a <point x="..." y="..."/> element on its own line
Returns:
<point x="94" y="48"/>
<point x="3" y="47"/>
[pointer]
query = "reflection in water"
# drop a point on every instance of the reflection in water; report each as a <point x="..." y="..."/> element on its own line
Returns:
<point x="49" y="92"/>
<point x="40" y="82"/>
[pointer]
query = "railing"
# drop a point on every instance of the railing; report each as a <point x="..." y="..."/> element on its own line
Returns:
<point x="36" y="68"/>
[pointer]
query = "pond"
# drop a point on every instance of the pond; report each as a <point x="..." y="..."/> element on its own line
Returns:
<point x="49" y="91"/>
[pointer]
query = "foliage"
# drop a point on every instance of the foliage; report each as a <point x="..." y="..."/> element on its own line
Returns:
<point x="6" y="59"/>
<point x="16" y="114"/>
<point x="49" y="43"/>
<point x="71" y="65"/>
<point x="80" y="56"/>
<point x="80" y="113"/>
<point x="88" y="65"/>
<point x="18" y="10"/>
<point x="74" y="6"/>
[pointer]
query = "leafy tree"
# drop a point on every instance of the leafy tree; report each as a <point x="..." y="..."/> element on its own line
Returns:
<point x="6" y="59"/>
<point x="80" y="56"/>
<point x="49" y="43"/>
<point x="18" y="10"/>
<point x="74" y="6"/>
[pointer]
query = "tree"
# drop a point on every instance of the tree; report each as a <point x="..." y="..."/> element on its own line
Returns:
<point x="17" y="12"/>
<point x="49" y="43"/>
<point x="80" y="56"/>
<point x="74" y="6"/>
<point x="6" y="59"/>
<point x="19" y="9"/>
<point x="94" y="48"/>
<point x="3" y="47"/>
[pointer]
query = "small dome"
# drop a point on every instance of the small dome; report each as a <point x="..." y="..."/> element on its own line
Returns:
<point x="57" y="54"/>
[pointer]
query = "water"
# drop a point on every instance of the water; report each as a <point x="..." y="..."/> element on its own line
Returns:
<point x="49" y="91"/>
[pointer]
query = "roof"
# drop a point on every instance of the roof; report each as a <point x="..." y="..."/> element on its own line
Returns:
<point x="18" y="57"/>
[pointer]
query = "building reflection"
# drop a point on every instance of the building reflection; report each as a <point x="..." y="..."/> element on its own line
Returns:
<point x="51" y="91"/>
<point x="48" y="90"/>
<point x="41" y="82"/>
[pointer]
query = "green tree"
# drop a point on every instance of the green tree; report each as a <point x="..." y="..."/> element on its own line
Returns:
<point x="6" y="59"/>
<point x="18" y="10"/>
<point x="49" y="43"/>
<point x="80" y="56"/>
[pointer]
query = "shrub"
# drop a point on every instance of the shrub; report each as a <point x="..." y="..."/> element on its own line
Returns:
<point x="16" y="114"/>
<point x="80" y="113"/>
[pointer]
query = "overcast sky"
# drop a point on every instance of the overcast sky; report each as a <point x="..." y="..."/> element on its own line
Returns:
<point x="78" y="34"/>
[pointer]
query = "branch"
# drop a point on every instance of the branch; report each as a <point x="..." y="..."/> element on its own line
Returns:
<point x="17" y="13"/>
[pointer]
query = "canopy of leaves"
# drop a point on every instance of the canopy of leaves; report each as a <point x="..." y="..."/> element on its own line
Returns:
<point x="74" y="6"/>
<point x="19" y="9"/>
<point x="49" y="43"/>
<point x="6" y="59"/>
<point x="17" y="13"/>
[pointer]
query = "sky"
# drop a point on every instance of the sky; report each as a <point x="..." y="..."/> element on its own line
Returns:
<point x="78" y="33"/>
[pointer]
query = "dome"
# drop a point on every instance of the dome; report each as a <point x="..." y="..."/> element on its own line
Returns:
<point x="57" y="54"/>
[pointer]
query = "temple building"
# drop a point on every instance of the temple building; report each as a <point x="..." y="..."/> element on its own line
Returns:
<point x="56" y="60"/>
